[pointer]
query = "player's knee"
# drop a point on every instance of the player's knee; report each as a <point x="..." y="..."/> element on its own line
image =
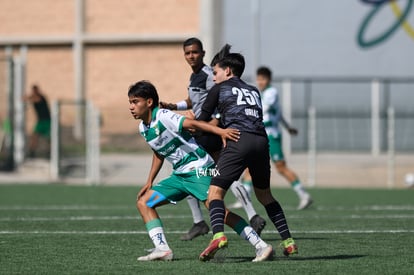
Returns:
<point x="216" y="193"/>
<point x="141" y="203"/>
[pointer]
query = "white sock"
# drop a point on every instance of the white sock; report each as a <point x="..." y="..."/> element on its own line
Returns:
<point x="158" y="238"/>
<point x="300" y="191"/>
<point x="250" y="235"/>
<point x="241" y="194"/>
<point x="195" y="209"/>
<point x="249" y="188"/>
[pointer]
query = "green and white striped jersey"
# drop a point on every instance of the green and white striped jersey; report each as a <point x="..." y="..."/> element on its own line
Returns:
<point x="271" y="111"/>
<point x="166" y="136"/>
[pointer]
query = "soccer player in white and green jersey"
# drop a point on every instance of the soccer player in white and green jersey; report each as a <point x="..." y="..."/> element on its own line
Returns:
<point x="166" y="133"/>
<point x="272" y="119"/>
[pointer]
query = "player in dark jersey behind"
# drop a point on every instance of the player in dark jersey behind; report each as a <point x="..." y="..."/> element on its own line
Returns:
<point x="43" y="124"/>
<point x="239" y="105"/>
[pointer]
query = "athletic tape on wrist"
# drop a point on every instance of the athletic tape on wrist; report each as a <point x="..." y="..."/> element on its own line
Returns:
<point x="182" y="105"/>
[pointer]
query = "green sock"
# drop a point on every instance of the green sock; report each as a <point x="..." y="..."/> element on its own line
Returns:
<point x="240" y="226"/>
<point x="218" y="235"/>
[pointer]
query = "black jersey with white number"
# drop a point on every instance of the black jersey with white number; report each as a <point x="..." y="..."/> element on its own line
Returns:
<point x="239" y="105"/>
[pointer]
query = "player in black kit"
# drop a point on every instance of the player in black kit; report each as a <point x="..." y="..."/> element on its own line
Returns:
<point x="239" y="105"/>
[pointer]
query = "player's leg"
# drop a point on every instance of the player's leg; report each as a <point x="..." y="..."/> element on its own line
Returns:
<point x="276" y="214"/>
<point x="264" y="251"/>
<point x="260" y="171"/>
<point x="47" y="127"/>
<point x="243" y="197"/>
<point x="212" y="144"/>
<point x="146" y="207"/>
<point x="234" y="189"/>
<point x="158" y="195"/>
<point x="230" y="166"/>
<point x="34" y="140"/>
<point x="278" y="158"/>
<point x="199" y="227"/>
<point x="305" y="200"/>
<point x="197" y="185"/>
<point x="247" y="182"/>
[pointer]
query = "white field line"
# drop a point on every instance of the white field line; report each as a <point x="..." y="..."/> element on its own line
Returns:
<point x="75" y="232"/>
<point x="109" y="218"/>
<point x="64" y="207"/>
<point x="132" y="206"/>
<point x="85" y="218"/>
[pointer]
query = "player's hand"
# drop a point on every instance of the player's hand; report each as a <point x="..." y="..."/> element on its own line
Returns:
<point x="293" y="131"/>
<point x="189" y="114"/>
<point x="231" y="134"/>
<point x="143" y="190"/>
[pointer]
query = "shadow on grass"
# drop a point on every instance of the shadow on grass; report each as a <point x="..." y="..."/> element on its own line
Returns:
<point x="318" y="258"/>
<point x="227" y="259"/>
<point x="271" y="240"/>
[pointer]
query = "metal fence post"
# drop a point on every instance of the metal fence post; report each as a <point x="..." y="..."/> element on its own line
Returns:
<point x="92" y="144"/>
<point x="55" y="142"/>
<point x="391" y="147"/>
<point x="312" y="146"/>
<point x="375" y="117"/>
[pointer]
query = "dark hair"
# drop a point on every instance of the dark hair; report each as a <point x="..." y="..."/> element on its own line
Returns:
<point x="35" y="89"/>
<point x="224" y="58"/>
<point x="264" y="71"/>
<point x="146" y="90"/>
<point x="191" y="41"/>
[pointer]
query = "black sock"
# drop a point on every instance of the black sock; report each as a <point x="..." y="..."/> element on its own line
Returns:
<point x="217" y="213"/>
<point x="276" y="215"/>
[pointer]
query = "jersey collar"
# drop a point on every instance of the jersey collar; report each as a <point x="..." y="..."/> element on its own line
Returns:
<point x="154" y="113"/>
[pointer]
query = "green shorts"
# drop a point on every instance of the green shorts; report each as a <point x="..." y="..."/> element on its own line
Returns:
<point x="275" y="148"/>
<point x="42" y="128"/>
<point x="178" y="186"/>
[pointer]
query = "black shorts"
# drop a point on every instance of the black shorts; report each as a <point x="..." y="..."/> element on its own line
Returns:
<point x="251" y="151"/>
<point x="211" y="143"/>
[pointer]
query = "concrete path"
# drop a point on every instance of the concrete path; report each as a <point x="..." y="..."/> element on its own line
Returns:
<point x="329" y="170"/>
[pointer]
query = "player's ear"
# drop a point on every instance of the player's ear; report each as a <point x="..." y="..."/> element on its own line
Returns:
<point x="228" y="71"/>
<point x="150" y="102"/>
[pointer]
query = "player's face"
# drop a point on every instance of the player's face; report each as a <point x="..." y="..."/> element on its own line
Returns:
<point x="193" y="55"/>
<point x="220" y="74"/>
<point x="139" y="107"/>
<point x="262" y="82"/>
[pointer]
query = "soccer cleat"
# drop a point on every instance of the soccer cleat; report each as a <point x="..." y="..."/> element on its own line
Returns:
<point x="257" y="223"/>
<point x="263" y="254"/>
<point x="212" y="248"/>
<point x="198" y="229"/>
<point x="305" y="202"/>
<point x="289" y="247"/>
<point x="157" y="255"/>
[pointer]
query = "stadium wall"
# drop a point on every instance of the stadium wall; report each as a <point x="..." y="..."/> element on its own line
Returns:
<point x="121" y="44"/>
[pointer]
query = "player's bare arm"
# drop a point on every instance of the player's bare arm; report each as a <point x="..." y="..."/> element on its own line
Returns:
<point x="229" y="133"/>
<point x="291" y="130"/>
<point x="157" y="162"/>
<point x="174" y="106"/>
